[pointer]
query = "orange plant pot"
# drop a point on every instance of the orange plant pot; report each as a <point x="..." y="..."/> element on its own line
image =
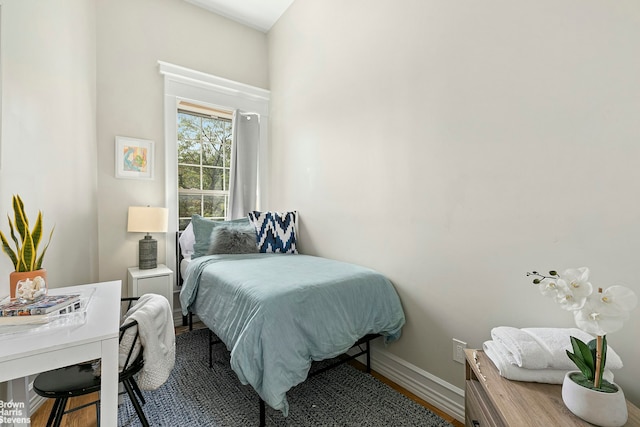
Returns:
<point x="16" y="276"/>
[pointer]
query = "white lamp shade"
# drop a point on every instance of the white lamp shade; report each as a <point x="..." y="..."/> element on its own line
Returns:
<point x="145" y="219"/>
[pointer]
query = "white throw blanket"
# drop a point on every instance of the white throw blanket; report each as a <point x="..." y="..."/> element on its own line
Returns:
<point x="544" y="348"/>
<point x="504" y="362"/>
<point x="157" y="334"/>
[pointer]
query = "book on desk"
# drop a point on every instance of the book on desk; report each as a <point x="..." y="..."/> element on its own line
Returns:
<point x="42" y="310"/>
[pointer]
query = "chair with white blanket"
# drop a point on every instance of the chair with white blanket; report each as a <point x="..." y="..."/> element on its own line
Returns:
<point x="147" y="351"/>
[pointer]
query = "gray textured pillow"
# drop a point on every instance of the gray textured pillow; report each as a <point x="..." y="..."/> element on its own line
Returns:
<point x="202" y="228"/>
<point x="233" y="239"/>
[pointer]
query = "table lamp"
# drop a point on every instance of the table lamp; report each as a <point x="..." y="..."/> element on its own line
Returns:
<point x="147" y="220"/>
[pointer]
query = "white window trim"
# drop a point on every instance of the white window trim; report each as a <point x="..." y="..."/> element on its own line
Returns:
<point x="182" y="83"/>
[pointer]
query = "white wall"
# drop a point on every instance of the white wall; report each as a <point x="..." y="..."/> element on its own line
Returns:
<point x="48" y="142"/>
<point x="454" y="146"/>
<point x="132" y="37"/>
<point x="48" y="147"/>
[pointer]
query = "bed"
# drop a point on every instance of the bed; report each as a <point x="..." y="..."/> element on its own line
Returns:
<point x="277" y="313"/>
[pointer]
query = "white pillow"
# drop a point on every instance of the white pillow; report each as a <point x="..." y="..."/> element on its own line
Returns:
<point x="187" y="240"/>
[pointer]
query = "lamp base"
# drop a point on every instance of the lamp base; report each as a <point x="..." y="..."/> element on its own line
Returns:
<point x="148" y="253"/>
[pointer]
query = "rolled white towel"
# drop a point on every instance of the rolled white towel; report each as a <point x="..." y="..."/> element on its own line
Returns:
<point x="545" y="348"/>
<point x="522" y="347"/>
<point x="498" y="355"/>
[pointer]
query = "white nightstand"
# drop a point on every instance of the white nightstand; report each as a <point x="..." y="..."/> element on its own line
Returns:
<point x="157" y="280"/>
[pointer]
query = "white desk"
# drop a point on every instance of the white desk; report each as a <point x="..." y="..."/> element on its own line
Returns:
<point x="24" y="354"/>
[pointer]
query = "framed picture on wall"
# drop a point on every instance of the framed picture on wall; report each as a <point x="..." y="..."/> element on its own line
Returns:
<point x="134" y="158"/>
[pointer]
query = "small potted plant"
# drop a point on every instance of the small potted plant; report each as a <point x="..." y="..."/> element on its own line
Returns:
<point x="597" y="312"/>
<point x="26" y="260"/>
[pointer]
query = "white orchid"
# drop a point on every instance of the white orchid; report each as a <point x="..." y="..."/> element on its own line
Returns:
<point x="577" y="280"/>
<point x="606" y="311"/>
<point x="618" y="298"/>
<point x="570" y="289"/>
<point x="567" y="298"/>
<point x="598" y="313"/>
<point x="595" y="321"/>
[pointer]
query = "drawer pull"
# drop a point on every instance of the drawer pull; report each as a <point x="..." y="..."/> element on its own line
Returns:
<point x="475" y="423"/>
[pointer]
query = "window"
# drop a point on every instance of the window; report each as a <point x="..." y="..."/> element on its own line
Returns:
<point x="183" y="84"/>
<point x="204" y="159"/>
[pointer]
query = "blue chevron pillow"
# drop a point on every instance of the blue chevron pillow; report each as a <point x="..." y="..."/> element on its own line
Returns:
<point x="275" y="231"/>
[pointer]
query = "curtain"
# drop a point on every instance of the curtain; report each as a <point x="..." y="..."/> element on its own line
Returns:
<point x="243" y="180"/>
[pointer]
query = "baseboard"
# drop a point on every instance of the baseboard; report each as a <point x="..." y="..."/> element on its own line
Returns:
<point x="436" y="391"/>
<point x="177" y="317"/>
<point x="428" y="387"/>
<point x="35" y="402"/>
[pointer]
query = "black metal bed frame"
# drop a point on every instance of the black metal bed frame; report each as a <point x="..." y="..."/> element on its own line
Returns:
<point x="345" y="358"/>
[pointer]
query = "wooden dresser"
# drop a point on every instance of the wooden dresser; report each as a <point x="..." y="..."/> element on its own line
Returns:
<point x="491" y="400"/>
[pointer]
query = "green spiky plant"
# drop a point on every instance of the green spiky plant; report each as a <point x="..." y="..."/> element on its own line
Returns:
<point x="25" y="256"/>
<point x="585" y="356"/>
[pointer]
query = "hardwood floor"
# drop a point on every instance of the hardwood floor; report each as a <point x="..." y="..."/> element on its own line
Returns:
<point x="86" y="417"/>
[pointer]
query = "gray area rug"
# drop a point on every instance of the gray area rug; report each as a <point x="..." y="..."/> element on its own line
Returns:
<point x="196" y="395"/>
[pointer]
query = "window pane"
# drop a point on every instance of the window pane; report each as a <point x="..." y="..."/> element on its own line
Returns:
<point x="212" y="179"/>
<point x="212" y="154"/>
<point x="183" y="222"/>
<point x="214" y="206"/>
<point x="189" y="152"/>
<point x="189" y="127"/>
<point x="208" y="127"/>
<point x="189" y="205"/>
<point x="218" y="133"/>
<point x="217" y="130"/>
<point x="227" y="154"/>
<point x="189" y="177"/>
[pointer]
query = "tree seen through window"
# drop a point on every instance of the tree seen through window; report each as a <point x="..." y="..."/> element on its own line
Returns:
<point x="204" y="158"/>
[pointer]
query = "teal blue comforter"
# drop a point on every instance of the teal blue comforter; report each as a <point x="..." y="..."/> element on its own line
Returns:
<point x="276" y="313"/>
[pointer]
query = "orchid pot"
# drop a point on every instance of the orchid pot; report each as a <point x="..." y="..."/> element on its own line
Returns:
<point x="596" y="407"/>
<point x="598" y="312"/>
